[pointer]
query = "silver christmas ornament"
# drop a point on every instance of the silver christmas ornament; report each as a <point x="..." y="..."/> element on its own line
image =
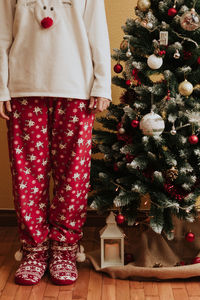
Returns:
<point x="177" y="54"/>
<point x="128" y="53"/>
<point x="121" y="130"/>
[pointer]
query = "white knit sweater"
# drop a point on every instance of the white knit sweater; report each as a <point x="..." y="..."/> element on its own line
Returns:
<point x="71" y="58"/>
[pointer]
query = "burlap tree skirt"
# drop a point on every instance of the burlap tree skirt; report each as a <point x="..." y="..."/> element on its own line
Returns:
<point x="155" y="257"/>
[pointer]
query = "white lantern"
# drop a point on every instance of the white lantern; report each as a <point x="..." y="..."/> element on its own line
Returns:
<point x="112" y="243"/>
<point x="154" y="62"/>
<point x="152" y="124"/>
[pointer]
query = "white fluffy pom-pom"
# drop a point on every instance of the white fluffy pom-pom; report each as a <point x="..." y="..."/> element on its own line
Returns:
<point x="18" y="255"/>
<point x="80" y="256"/>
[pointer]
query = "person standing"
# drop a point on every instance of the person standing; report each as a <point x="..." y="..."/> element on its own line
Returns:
<point x="55" y="74"/>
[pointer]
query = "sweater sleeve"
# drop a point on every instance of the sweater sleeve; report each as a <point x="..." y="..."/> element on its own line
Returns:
<point x="6" y="15"/>
<point x="97" y="30"/>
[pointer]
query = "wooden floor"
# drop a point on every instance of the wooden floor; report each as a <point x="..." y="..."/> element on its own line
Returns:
<point x="90" y="285"/>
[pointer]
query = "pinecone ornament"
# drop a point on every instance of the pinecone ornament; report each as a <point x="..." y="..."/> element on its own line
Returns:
<point x="172" y="173"/>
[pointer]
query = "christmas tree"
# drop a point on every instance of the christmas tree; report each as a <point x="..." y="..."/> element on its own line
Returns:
<point x="150" y="169"/>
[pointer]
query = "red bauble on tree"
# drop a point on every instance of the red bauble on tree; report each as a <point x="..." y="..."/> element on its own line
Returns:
<point x="135" y="123"/>
<point x="193" y="139"/>
<point x="190" y="237"/>
<point x="118" y="68"/>
<point x="198" y="60"/>
<point x="195" y="260"/>
<point x="129" y="157"/>
<point x="128" y="257"/>
<point x="172" y="12"/>
<point x="128" y="82"/>
<point x="115" y="167"/>
<point x="120" y="219"/>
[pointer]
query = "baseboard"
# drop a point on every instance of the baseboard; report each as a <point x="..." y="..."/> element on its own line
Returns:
<point x="8" y="218"/>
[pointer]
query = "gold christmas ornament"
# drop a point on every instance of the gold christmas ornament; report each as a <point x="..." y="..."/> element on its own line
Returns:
<point x="143" y="5"/>
<point x="185" y="88"/>
<point x="190" y="20"/>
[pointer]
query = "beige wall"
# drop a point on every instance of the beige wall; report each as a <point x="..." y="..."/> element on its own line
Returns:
<point x="117" y="12"/>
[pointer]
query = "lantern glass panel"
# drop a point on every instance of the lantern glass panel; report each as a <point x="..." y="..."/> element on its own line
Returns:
<point x="112" y="250"/>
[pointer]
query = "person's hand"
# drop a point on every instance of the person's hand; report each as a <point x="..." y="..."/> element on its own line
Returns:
<point x="98" y="104"/>
<point x="5" y="106"/>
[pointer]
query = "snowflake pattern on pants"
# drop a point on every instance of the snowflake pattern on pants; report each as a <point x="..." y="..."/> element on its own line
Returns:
<point x="49" y="135"/>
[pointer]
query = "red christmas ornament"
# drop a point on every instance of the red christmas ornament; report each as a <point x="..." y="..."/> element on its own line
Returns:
<point x="120" y="219"/>
<point x="125" y="137"/>
<point x="198" y="60"/>
<point x="135" y="123"/>
<point x="172" y="12"/>
<point x="190" y="237"/>
<point x="195" y="260"/>
<point x="162" y="52"/>
<point x="118" y="68"/>
<point x="182" y="263"/>
<point x="187" y="54"/>
<point x="193" y="139"/>
<point x="128" y="82"/>
<point x="128" y="257"/>
<point x="115" y="167"/>
<point x="168" y="95"/>
<point x="129" y="157"/>
<point x="47" y="22"/>
<point x="119" y="125"/>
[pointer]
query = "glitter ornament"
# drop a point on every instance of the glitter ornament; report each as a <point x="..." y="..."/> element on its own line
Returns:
<point x="118" y="68"/>
<point x="193" y="139"/>
<point x="190" y="20"/>
<point x="154" y="62"/>
<point x="185" y="88"/>
<point x="143" y="5"/>
<point x="190" y="237"/>
<point x="152" y="124"/>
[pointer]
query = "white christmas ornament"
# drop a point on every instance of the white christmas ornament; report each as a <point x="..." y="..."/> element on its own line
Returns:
<point x="154" y="62"/>
<point x="152" y="124"/>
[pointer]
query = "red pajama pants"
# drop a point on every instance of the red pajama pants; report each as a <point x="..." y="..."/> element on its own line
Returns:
<point x="48" y="135"/>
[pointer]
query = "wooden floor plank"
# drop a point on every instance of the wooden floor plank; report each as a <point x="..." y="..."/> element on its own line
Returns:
<point x="38" y="290"/>
<point x="180" y="294"/>
<point x="194" y="298"/>
<point x="137" y="294"/>
<point x="23" y="293"/>
<point x="193" y="288"/>
<point x="108" y="288"/>
<point x="65" y="295"/>
<point x="152" y="298"/>
<point x="122" y="289"/>
<point x="150" y="288"/>
<point x="10" y="288"/>
<point x="136" y="284"/>
<point x="165" y="291"/>
<point x="94" y="286"/>
<point x="51" y="290"/>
